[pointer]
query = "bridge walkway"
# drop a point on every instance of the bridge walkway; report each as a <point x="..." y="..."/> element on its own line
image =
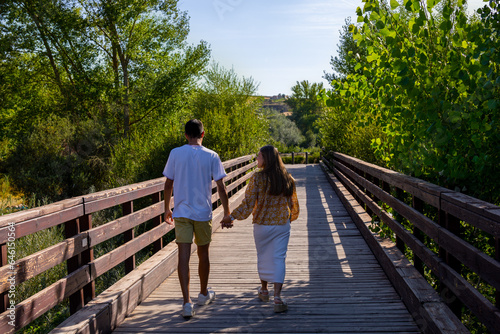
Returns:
<point x="333" y="283"/>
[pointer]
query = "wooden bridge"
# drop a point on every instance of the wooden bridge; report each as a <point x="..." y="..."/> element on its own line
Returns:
<point x="341" y="276"/>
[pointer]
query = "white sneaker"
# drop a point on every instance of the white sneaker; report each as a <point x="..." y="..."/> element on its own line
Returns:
<point x="188" y="310"/>
<point x="206" y="299"/>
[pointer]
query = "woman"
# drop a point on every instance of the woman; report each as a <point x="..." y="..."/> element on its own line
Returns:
<point x="272" y="199"/>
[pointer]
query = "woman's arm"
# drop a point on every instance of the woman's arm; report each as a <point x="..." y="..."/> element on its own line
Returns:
<point x="294" y="214"/>
<point x="245" y="208"/>
<point x="251" y="195"/>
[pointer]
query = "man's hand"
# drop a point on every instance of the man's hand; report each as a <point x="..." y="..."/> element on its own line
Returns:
<point x="169" y="185"/>
<point x="168" y="217"/>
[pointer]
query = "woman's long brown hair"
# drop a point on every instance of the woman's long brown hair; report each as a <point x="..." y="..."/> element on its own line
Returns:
<point x="278" y="178"/>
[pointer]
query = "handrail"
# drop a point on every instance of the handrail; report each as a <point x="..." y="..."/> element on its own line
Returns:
<point x="434" y="216"/>
<point x="76" y="250"/>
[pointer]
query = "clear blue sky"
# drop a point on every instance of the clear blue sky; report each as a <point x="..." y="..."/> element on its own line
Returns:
<point x="276" y="42"/>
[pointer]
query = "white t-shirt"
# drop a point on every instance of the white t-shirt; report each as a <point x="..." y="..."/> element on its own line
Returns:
<point x="192" y="168"/>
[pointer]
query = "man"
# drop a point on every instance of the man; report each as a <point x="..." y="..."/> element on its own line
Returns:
<point x="189" y="172"/>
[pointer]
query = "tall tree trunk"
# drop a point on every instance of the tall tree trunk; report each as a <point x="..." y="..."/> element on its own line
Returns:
<point x="126" y="84"/>
<point x="115" y="68"/>
<point x="48" y="49"/>
<point x="126" y="106"/>
<point x="118" y="51"/>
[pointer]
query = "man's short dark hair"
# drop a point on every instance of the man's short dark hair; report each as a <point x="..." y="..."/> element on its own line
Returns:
<point x="194" y="128"/>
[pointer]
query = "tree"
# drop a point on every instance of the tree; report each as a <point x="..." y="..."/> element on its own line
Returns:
<point x="144" y="43"/>
<point x="230" y="112"/>
<point x="283" y="130"/>
<point x="306" y="107"/>
<point x="340" y="127"/>
<point x="124" y="58"/>
<point x="430" y="83"/>
<point x="349" y="55"/>
<point x="123" y="66"/>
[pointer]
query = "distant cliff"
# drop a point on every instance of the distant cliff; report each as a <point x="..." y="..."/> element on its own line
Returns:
<point x="277" y="105"/>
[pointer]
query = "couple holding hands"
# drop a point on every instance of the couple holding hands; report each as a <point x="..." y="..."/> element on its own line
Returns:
<point x="270" y="196"/>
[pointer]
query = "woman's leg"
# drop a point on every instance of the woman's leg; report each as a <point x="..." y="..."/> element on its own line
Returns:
<point x="279" y="257"/>
<point x="277" y="289"/>
<point x="279" y="304"/>
<point x="264" y="285"/>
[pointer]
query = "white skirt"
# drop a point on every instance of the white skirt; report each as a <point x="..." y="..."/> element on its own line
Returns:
<point x="271" y="242"/>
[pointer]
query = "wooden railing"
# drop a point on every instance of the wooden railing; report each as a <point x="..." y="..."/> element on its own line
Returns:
<point x="77" y="250"/>
<point x="430" y="221"/>
<point x="293" y="155"/>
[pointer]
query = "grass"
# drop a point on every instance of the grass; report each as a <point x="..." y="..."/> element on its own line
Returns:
<point x="10" y="200"/>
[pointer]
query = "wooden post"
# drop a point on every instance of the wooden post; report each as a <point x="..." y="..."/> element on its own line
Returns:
<point x="497" y="257"/>
<point x="307" y="157"/>
<point x="128" y="208"/>
<point x="85" y="224"/>
<point x="293" y="158"/>
<point x="355" y="170"/>
<point x="235" y="179"/>
<point x="418" y="205"/>
<point x="386" y="187"/>
<point x="83" y="296"/>
<point x="368" y="177"/>
<point x="76" y="300"/>
<point x="399" y="242"/>
<point x="442" y="223"/>
<point x="452" y="224"/>
<point x="158" y="244"/>
<point x="4" y="296"/>
<point x="376" y="182"/>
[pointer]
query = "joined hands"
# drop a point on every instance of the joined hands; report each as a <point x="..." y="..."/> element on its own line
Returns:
<point x="226" y="222"/>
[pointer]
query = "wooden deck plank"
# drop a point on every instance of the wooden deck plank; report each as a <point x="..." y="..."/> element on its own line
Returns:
<point x="333" y="284"/>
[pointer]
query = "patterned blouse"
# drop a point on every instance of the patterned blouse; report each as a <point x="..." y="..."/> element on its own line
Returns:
<point x="267" y="209"/>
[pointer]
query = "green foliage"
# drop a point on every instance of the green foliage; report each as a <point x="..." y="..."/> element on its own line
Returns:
<point x="124" y="58"/>
<point x="108" y="69"/>
<point x="143" y="155"/>
<point x="282" y="130"/>
<point x="430" y="84"/>
<point x="342" y="131"/>
<point x="341" y="128"/>
<point x="307" y="108"/>
<point x="349" y="55"/>
<point x="59" y="159"/>
<point x="234" y="124"/>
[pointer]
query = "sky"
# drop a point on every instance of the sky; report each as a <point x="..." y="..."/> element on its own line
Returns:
<point x="276" y="42"/>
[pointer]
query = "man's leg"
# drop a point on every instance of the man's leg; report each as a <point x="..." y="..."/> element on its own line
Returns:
<point x="183" y="270"/>
<point x="203" y="268"/>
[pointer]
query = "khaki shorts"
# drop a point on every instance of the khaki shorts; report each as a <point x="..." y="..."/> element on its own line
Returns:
<point x="185" y="228"/>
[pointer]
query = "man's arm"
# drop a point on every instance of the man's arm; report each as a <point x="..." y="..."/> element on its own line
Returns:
<point x="221" y="189"/>
<point x="167" y="194"/>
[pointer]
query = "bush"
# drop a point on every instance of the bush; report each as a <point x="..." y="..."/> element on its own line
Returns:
<point x="144" y="154"/>
<point x="60" y="159"/>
